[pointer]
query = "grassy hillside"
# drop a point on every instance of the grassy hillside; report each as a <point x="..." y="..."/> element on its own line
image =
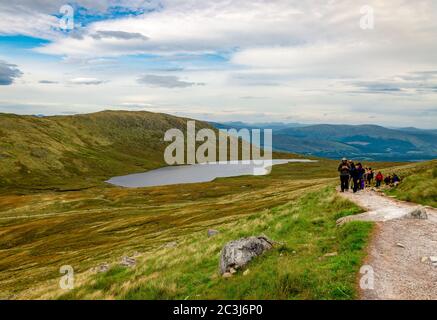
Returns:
<point x="42" y="231"/>
<point x="419" y="183"/>
<point x="82" y="150"/>
<point x="295" y="269"/>
<point x="47" y="220"/>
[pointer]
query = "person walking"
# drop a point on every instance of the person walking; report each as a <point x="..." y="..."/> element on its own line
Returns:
<point x="344" y="170"/>
<point x="395" y="179"/>
<point x="370" y="176"/>
<point x="351" y="180"/>
<point x="363" y="177"/>
<point x="358" y="177"/>
<point x="379" y="179"/>
<point x="387" y="180"/>
<point x="354" y="175"/>
<point x="366" y="171"/>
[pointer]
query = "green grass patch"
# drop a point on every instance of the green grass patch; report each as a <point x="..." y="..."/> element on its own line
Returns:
<point x="419" y="184"/>
<point x="295" y="269"/>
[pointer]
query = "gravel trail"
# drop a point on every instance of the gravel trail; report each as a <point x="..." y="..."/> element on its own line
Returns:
<point x="402" y="250"/>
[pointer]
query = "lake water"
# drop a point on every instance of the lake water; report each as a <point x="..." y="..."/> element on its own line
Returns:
<point x="195" y="173"/>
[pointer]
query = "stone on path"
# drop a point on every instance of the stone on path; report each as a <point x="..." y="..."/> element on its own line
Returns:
<point x="417" y="213"/>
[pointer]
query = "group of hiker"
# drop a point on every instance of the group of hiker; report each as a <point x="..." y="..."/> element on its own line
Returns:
<point x="358" y="177"/>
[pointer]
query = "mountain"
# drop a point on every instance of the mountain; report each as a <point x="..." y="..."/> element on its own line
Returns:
<point x="81" y="150"/>
<point x="416" y="130"/>
<point x="365" y="142"/>
<point x="368" y="142"/>
<point x="261" y="125"/>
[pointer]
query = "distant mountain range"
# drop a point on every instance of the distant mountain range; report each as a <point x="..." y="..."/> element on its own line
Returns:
<point x="364" y="142"/>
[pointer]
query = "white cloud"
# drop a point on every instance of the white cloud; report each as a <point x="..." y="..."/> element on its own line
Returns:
<point x="307" y="59"/>
<point x="165" y="81"/>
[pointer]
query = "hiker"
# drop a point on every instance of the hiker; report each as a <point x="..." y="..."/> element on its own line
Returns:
<point x="363" y="180"/>
<point x="351" y="163"/>
<point x="356" y="176"/>
<point x="344" y="170"/>
<point x="387" y="180"/>
<point x="379" y="179"/>
<point x="360" y="176"/>
<point x="370" y="176"/>
<point x="395" y="180"/>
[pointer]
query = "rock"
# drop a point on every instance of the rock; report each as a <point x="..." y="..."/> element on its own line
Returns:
<point x="227" y="275"/>
<point x="103" y="267"/>
<point x="424" y="259"/>
<point x="332" y="254"/>
<point x="212" y="233"/>
<point x="417" y="213"/>
<point x="171" y="244"/>
<point x="344" y="220"/>
<point x="232" y="271"/>
<point x="236" y="254"/>
<point x="433" y="261"/>
<point x="400" y="245"/>
<point x="127" y="262"/>
<point x="246" y="272"/>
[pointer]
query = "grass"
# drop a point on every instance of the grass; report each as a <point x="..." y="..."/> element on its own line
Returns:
<point x="81" y="151"/>
<point x="419" y="184"/>
<point x="40" y="232"/>
<point x="295" y="269"/>
<point x="56" y="210"/>
<point x="68" y="153"/>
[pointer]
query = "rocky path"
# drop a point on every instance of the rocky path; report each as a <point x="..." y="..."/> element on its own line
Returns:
<point x="403" y="249"/>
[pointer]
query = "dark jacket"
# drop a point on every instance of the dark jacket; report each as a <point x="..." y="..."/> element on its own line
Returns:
<point x="360" y="172"/>
<point x="344" y="169"/>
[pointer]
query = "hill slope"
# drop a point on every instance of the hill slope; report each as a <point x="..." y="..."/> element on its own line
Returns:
<point x="419" y="183"/>
<point x="81" y="150"/>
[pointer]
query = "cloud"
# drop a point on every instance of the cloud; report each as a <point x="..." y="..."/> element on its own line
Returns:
<point x="119" y="35"/>
<point x="8" y="73"/>
<point x="86" y="81"/>
<point x="48" y="82"/>
<point x="165" y="81"/>
<point x="41" y="18"/>
<point x="199" y="26"/>
<point x="410" y="83"/>
<point x="308" y="58"/>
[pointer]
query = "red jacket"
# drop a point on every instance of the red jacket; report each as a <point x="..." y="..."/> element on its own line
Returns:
<point x="379" y="177"/>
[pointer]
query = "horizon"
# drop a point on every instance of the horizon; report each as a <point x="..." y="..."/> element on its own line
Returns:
<point x="230" y="122"/>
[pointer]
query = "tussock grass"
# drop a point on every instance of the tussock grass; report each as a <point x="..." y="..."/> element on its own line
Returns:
<point x="295" y="269"/>
<point x="39" y="232"/>
<point x="56" y="210"/>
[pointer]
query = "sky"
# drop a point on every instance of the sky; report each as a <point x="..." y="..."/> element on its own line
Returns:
<point x="331" y="61"/>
